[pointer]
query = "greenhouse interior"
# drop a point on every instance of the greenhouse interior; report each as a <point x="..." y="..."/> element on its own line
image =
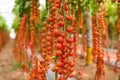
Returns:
<point x="59" y="39"/>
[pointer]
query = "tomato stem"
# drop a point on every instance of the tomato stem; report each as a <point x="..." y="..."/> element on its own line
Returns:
<point x="56" y="73"/>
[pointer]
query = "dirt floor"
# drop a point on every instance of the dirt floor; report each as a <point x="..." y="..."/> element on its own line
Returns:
<point x="9" y="72"/>
<point x="7" y="64"/>
<point x="89" y="72"/>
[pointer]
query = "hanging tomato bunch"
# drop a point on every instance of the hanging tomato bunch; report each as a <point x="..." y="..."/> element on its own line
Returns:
<point x="58" y="39"/>
<point x="21" y="38"/>
<point x="98" y="32"/>
<point x="118" y="24"/>
<point x="80" y="20"/>
<point x="58" y="33"/>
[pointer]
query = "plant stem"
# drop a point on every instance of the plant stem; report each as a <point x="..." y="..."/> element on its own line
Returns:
<point x="56" y="73"/>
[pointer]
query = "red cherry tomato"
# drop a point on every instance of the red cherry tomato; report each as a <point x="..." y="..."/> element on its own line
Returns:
<point x="69" y="29"/>
<point x="58" y="53"/>
<point x="56" y="32"/>
<point x="51" y="1"/>
<point x="59" y="46"/>
<point x="69" y="40"/>
<point x="69" y="18"/>
<point x="60" y="39"/>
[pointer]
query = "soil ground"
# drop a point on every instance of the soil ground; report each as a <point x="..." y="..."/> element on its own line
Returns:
<point x="89" y="71"/>
<point x="7" y="62"/>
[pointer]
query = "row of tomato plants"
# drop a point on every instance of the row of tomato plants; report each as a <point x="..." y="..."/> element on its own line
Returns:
<point x="57" y="45"/>
<point x="54" y="42"/>
<point x="4" y="38"/>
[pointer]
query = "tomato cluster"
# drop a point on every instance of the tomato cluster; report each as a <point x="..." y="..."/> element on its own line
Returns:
<point x="118" y="24"/>
<point x="58" y="47"/>
<point x="80" y="20"/>
<point x="98" y="52"/>
<point x="34" y="10"/>
<point x="22" y="32"/>
<point x="59" y="41"/>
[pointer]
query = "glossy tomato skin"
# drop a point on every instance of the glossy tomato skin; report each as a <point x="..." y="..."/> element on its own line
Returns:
<point x="69" y="40"/>
<point x="69" y="18"/>
<point x="60" y="39"/>
<point x="63" y="35"/>
<point x="56" y="32"/>
<point x="69" y="29"/>
<point x="59" y="46"/>
<point x="61" y="23"/>
<point x="51" y="1"/>
<point x="58" y="53"/>
<point x="64" y="44"/>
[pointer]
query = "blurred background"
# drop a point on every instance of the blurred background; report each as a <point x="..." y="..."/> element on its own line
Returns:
<point x="7" y="16"/>
<point x="9" y="24"/>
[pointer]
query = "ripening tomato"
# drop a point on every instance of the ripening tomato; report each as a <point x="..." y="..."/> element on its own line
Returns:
<point x="48" y="44"/>
<point x="29" y="78"/>
<point x="56" y="32"/>
<point x="53" y="69"/>
<point x="57" y="68"/>
<point x="60" y="78"/>
<point x="71" y="75"/>
<point x="49" y="52"/>
<point x="65" y="50"/>
<point x="69" y="18"/>
<point x="44" y="46"/>
<point x="43" y="55"/>
<point x="65" y="61"/>
<point x="54" y="8"/>
<point x="48" y="33"/>
<point x="50" y="19"/>
<point x="65" y="72"/>
<point x="58" y="53"/>
<point x="63" y="35"/>
<point x="66" y="66"/>
<point x="44" y="50"/>
<point x="72" y="64"/>
<point x="57" y="5"/>
<point x="43" y="70"/>
<point x="59" y="64"/>
<point x="71" y="47"/>
<point x="61" y="23"/>
<point x="58" y="1"/>
<point x="64" y="44"/>
<point x="49" y="48"/>
<point x="44" y="23"/>
<point x="60" y="40"/>
<point x="43" y="35"/>
<point x="48" y="38"/>
<point x="66" y="7"/>
<point x="43" y="41"/>
<point x="71" y="53"/>
<point x="31" y="19"/>
<point x="69" y="40"/>
<point x="50" y="26"/>
<point x="69" y="29"/>
<point x="59" y="46"/>
<point x="42" y="60"/>
<point x="60" y="71"/>
<point x="51" y="1"/>
<point x="44" y="29"/>
<point x="55" y="26"/>
<point x="71" y="69"/>
<point x="60" y="17"/>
